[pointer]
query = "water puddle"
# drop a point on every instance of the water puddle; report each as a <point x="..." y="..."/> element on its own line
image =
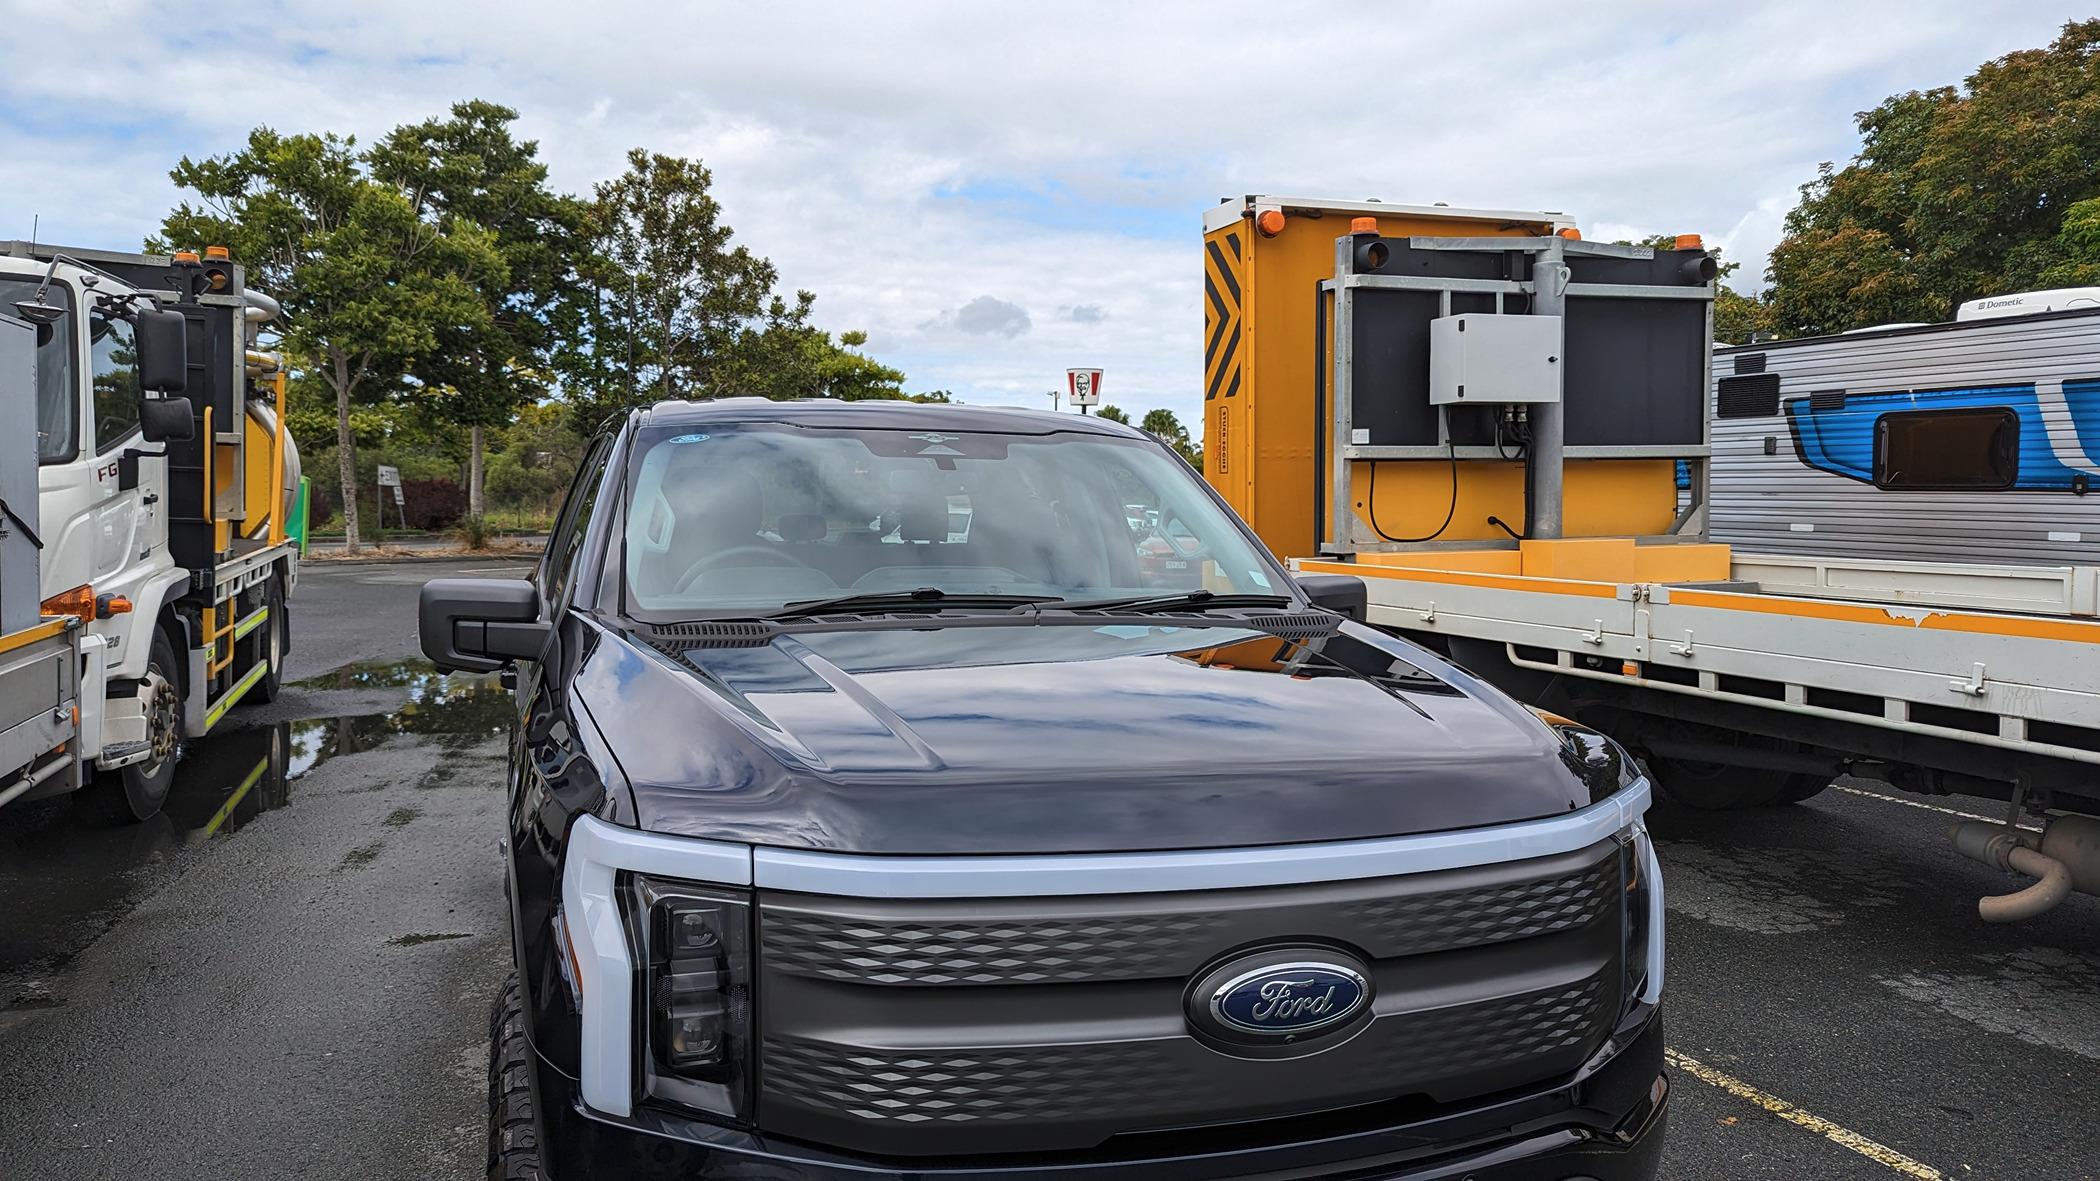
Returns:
<point x="66" y="877"/>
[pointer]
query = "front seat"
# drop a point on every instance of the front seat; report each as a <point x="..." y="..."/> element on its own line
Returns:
<point x="712" y="509"/>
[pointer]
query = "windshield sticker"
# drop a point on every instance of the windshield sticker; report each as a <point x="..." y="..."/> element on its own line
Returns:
<point x="691" y="438"/>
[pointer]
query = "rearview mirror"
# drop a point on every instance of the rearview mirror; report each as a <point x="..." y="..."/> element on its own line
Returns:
<point x="162" y="340"/>
<point x="480" y="624"/>
<point x="166" y="420"/>
<point x="1343" y="594"/>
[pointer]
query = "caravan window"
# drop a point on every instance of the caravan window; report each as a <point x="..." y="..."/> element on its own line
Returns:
<point x="1974" y="449"/>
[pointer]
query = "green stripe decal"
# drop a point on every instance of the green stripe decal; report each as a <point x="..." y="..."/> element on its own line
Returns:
<point x="251" y="623"/>
<point x="233" y="696"/>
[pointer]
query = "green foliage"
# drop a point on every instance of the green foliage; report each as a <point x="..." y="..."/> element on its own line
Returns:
<point x="2072" y="257"/>
<point x="1112" y="414"/>
<point x="538" y="455"/>
<point x="669" y="307"/>
<point x="473" y="532"/>
<point x="668" y="295"/>
<point x="1167" y="426"/>
<point x="365" y="282"/>
<point x="470" y="170"/>
<point x="1956" y="193"/>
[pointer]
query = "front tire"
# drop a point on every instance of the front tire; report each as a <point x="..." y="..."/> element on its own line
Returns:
<point x="514" y="1145"/>
<point x="1727" y="787"/>
<point x="137" y="792"/>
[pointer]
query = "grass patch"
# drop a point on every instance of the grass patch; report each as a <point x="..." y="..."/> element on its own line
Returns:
<point x="400" y="817"/>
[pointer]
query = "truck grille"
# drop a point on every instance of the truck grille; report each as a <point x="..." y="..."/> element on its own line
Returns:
<point x="928" y="1027"/>
<point x="894" y="949"/>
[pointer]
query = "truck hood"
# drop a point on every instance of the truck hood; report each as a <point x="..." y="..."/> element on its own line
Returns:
<point x="917" y="736"/>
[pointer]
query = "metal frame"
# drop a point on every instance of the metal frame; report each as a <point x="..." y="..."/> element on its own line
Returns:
<point x="1343" y="533"/>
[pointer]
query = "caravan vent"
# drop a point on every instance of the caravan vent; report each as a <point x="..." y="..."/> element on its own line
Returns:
<point x="1826" y="400"/>
<point x="1754" y="396"/>
<point x="1750" y="363"/>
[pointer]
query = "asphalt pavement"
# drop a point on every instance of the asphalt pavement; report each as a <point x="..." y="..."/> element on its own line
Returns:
<point x="288" y="974"/>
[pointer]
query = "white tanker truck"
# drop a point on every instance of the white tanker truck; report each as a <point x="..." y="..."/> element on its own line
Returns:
<point x="147" y="541"/>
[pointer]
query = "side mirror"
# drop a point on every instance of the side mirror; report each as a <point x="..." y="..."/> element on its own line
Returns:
<point x="162" y="340"/>
<point x="1343" y="594"/>
<point x="166" y="420"/>
<point x="480" y="624"/>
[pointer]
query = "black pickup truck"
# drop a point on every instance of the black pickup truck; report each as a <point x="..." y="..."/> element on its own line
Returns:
<point x="889" y="799"/>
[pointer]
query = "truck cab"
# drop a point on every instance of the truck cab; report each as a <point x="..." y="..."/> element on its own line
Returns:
<point x="163" y="501"/>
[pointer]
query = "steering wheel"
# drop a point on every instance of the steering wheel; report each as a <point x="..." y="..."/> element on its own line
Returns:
<point x="773" y="558"/>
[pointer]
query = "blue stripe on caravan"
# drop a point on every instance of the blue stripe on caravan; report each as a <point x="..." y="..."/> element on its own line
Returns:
<point x="1841" y="440"/>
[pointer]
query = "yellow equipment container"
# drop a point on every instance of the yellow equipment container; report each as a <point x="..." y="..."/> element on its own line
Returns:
<point x="1270" y="266"/>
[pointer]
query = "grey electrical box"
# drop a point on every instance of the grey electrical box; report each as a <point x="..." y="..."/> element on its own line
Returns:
<point x="1489" y="359"/>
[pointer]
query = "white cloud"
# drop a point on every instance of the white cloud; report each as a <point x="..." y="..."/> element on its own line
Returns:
<point x="904" y="160"/>
<point x="987" y="315"/>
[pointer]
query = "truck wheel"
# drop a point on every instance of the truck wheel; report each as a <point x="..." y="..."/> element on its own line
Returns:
<point x="271" y="649"/>
<point x="137" y="792"/>
<point x="514" y="1146"/>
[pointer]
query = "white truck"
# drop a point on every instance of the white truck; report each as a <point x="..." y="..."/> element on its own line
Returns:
<point x="146" y="552"/>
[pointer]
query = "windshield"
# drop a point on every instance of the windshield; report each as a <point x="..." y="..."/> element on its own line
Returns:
<point x="745" y="519"/>
<point x="57" y="413"/>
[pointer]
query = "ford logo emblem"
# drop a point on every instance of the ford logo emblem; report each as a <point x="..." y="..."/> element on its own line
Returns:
<point x="1285" y="995"/>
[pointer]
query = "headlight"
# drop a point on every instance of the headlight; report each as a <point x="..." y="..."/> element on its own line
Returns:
<point x="1644" y="916"/>
<point x="1601" y="764"/>
<point x="695" y="1024"/>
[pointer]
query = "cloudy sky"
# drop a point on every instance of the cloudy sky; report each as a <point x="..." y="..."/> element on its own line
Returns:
<point x="997" y="191"/>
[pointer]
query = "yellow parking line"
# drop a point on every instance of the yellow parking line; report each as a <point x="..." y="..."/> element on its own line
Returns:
<point x="1873" y="1150"/>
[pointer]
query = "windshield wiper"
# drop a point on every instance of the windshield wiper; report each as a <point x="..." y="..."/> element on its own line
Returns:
<point x="924" y="598"/>
<point x="1202" y="600"/>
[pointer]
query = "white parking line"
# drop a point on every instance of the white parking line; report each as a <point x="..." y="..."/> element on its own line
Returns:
<point x="1873" y="1150"/>
<point x="1875" y="795"/>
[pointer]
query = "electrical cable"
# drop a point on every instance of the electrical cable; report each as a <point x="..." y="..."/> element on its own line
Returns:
<point x="1371" y="499"/>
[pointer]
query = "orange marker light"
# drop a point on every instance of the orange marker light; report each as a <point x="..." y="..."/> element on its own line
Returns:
<point x="1571" y="234"/>
<point x="78" y="603"/>
<point x="217" y="254"/>
<point x="185" y="256"/>
<point x="108" y="605"/>
<point x="1690" y="242"/>
<point x="1363" y="225"/>
<point x="1270" y="222"/>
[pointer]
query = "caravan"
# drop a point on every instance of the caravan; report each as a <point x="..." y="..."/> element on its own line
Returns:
<point x="1970" y="441"/>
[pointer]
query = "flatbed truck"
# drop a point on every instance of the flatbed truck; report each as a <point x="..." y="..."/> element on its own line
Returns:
<point x="148" y="549"/>
<point x="1510" y="494"/>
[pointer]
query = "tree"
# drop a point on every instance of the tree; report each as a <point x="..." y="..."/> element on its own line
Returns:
<point x="1112" y="414"/>
<point x="470" y="169"/>
<point x="791" y="358"/>
<point x="1166" y="425"/>
<point x="1956" y="193"/>
<point x="667" y="298"/>
<point x="364" y="282"/>
<point x="2072" y="257"/>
